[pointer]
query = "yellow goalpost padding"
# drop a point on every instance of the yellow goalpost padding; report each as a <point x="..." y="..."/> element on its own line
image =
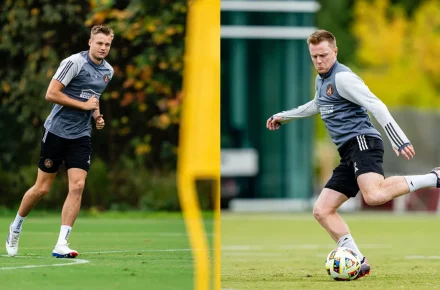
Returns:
<point x="199" y="137"/>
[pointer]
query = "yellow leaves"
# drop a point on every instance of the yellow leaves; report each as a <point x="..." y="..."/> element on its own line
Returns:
<point x="49" y="72"/>
<point x="146" y="73"/>
<point x="128" y="99"/>
<point x="138" y="85"/>
<point x="35" y="11"/>
<point x="159" y="38"/>
<point x="163" y="65"/>
<point x="120" y="14"/>
<point x="124" y="120"/>
<point x="378" y="33"/>
<point x="128" y="83"/>
<point x="164" y="121"/>
<point x="99" y="17"/>
<point x="151" y="27"/>
<point x="114" y="95"/>
<point x="170" y="31"/>
<point x="400" y="55"/>
<point x="142" y="107"/>
<point x="426" y="31"/>
<point x="6" y="87"/>
<point x="142" y="149"/>
<point x="130" y="69"/>
<point x="124" y="131"/>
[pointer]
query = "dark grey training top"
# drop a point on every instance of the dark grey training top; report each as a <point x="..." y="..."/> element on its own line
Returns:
<point x="343" y="99"/>
<point x="82" y="79"/>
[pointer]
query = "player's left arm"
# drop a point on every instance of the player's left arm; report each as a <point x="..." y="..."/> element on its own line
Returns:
<point x="351" y="87"/>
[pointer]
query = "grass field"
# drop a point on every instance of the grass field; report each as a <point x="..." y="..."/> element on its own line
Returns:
<point x="115" y="252"/>
<point x="287" y="251"/>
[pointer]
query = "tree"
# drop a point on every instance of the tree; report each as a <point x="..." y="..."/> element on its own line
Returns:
<point x="398" y="55"/>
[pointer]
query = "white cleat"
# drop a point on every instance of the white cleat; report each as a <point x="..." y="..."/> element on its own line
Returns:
<point x="12" y="243"/>
<point x="63" y="251"/>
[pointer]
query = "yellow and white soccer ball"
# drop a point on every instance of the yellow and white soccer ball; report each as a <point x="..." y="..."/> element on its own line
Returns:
<point x="343" y="264"/>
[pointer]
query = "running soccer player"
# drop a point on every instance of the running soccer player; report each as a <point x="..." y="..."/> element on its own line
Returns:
<point x="342" y="99"/>
<point x="74" y="90"/>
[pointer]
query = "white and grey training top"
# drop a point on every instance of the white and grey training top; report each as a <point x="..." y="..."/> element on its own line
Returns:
<point x="82" y="79"/>
<point x="343" y="100"/>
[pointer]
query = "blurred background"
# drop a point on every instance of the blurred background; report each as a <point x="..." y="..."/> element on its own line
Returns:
<point x="266" y="68"/>
<point x="134" y="159"/>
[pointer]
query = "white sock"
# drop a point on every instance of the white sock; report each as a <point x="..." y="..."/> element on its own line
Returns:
<point x="348" y="242"/>
<point x="64" y="234"/>
<point x="18" y="222"/>
<point x="420" y="181"/>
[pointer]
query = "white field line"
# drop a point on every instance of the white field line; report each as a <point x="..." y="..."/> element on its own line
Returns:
<point x="71" y="263"/>
<point x="416" y="257"/>
<point x="162" y="234"/>
<point x="298" y="247"/>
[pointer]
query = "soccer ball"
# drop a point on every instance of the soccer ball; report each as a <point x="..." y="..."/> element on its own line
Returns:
<point x="343" y="264"/>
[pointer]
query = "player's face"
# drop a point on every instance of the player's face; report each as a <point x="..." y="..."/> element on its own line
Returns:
<point x="100" y="46"/>
<point x="323" y="56"/>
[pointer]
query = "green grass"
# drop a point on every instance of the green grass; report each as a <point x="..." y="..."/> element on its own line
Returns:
<point x="287" y="251"/>
<point x="131" y="251"/>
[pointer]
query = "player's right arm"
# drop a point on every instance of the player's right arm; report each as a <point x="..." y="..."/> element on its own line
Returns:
<point x="68" y="69"/>
<point x="307" y="110"/>
<point x="55" y="95"/>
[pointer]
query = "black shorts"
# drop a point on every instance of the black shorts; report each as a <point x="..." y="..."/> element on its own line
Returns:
<point x="75" y="153"/>
<point x="361" y="154"/>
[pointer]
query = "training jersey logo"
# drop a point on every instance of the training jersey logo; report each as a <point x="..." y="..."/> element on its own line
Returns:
<point x="106" y="78"/>
<point x="326" y="109"/>
<point x="329" y="91"/>
<point x="87" y="94"/>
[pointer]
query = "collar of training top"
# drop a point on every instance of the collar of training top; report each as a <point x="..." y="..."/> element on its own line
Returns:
<point x="327" y="74"/>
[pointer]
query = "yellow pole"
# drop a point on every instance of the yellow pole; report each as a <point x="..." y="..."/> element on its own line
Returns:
<point x="199" y="136"/>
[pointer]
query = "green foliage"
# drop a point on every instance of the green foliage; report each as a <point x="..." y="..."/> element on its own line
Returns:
<point x="141" y="104"/>
<point x="398" y="55"/>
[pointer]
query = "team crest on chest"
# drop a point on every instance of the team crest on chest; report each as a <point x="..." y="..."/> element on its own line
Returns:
<point x="329" y="90"/>
<point x="106" y="78"/>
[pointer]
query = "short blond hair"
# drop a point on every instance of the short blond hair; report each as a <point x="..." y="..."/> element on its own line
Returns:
<point x="101" y="29"/>
<point x="322" y="35"/>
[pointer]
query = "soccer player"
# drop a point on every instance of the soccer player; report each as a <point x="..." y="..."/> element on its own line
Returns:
<point x="343" y="99"/>
<point x="74" y="90"/>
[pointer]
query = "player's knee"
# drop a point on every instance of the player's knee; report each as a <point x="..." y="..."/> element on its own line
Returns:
<point x="77" y="186"/>
<point x="320" y="213"/>
<point x="41" y="190"/>
<point x="373" y="199"/>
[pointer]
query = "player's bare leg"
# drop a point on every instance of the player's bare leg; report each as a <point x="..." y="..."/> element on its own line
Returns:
<point x="72" y="205"/>
<point x="377" y="190"/>
<point x="30" y="199"/>
<point x="325" y="213"/>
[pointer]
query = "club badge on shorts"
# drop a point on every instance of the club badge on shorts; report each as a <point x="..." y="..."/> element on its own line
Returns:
<point x="48" y="163"/>
<point x="329" y="90"/>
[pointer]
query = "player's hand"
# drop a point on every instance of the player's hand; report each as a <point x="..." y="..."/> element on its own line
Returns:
<point x="99" y="120"/>
<point x="407" y="152"/>
<point x="273" y="123"/>
<point x="91" y="104"/>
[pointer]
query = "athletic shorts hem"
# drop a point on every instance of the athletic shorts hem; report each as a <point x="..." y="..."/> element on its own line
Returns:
<point x="48" y="170"/>
<point x="359" y="172"/>
<point x="345" y="191"/>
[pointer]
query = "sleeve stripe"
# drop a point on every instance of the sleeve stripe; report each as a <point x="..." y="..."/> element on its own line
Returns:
<point x="65" y="70"/>
<point x="395" y="132"/>
<point x="392" y="136"/>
